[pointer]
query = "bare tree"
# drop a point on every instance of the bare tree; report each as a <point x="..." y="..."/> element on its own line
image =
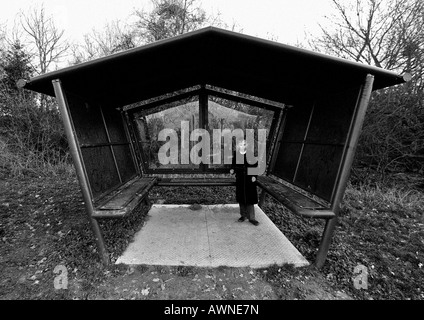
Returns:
<point x="387" y="34"/>
<point x="113" y="38"/>
<point x="169" y="18"/>
<point x="47" y="40"/>
<point x="2" y="37"/>
<point x="2" y="50"/>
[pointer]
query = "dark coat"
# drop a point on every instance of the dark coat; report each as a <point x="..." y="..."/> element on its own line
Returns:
<point x="245" y="188"/>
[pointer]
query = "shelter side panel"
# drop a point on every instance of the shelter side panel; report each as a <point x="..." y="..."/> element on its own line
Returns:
<point x="87" y="121"/>
<point x="295" y="130"/>
<point x="314" y="142"/>
<point x="318" y="169"/>
<point x="121" y="144"/>
<point x="332" y="117"/>
<point x="95" y="145"/>
<point x="287" y="159"/>
<point x="100" y="168"/>
<point x="114" y="124"/>
<point x="325" y="142"/>
<point x="125" y="162"/>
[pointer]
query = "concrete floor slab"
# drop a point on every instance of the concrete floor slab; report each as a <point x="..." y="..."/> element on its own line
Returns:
<point x="209" y="237"/>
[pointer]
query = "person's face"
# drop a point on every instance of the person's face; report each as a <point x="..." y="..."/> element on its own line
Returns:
<point x="242" y="146"/>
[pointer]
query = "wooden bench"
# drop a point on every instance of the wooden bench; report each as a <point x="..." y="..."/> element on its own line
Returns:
<point x="293" y="200"/>
<point x="123" y="199"/>
<point x="198" y="182"/>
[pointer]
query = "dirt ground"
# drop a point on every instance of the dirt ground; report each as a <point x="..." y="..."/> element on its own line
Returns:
<point x="43" y="226"/>
<point x="182" y="283"/>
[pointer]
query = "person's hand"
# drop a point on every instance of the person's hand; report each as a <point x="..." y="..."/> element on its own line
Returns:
<point x="253" y="179"/>
<point x="232" y="171"/>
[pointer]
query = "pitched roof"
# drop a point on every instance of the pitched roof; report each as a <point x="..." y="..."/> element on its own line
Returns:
<point x="212" y="56"/>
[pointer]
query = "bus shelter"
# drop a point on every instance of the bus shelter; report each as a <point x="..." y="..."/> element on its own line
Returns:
<point x="311" y="105"/>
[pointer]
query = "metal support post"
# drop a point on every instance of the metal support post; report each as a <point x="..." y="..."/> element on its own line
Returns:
<point x="79" y="167"/>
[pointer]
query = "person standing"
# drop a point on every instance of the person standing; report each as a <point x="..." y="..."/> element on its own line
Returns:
<point x="246" y="194"/>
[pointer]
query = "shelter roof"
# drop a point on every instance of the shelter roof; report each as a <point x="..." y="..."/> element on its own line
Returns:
<point x="213" y="56"/>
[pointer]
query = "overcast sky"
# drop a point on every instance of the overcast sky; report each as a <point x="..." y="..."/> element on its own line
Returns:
<point x="286" y="21"/>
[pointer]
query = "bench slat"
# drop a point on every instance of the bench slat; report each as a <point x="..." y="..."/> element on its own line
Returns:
<point x="124" y="199"/>
<point x="196" y="182"/>
<point x="120" y="200"/>
<point x="285" y="192"/>
<point x="293" y="200"/>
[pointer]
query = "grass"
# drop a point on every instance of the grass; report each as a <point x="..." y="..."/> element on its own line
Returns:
<point x="379" y="227"/>
<point x="27" y="162"/>
<point x="43" y="224"/>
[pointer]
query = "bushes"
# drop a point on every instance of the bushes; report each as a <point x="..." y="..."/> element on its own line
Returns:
<point x="32" y="138"/>
<point x="32" y="141"/>
<point x="392" y="139"/>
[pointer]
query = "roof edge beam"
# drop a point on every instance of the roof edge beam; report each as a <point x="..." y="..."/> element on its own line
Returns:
<point x="163" y="100"/>
<point x="255" y="103"/>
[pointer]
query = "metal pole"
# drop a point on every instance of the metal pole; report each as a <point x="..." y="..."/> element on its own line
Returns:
<point x="203" y="119"/>
<point x="351" y="143"/>
<point x="132" y="143"/>
<point x="304" y="141"/>
<point x="110" y="144"/>
<point x="78" y="162"/>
